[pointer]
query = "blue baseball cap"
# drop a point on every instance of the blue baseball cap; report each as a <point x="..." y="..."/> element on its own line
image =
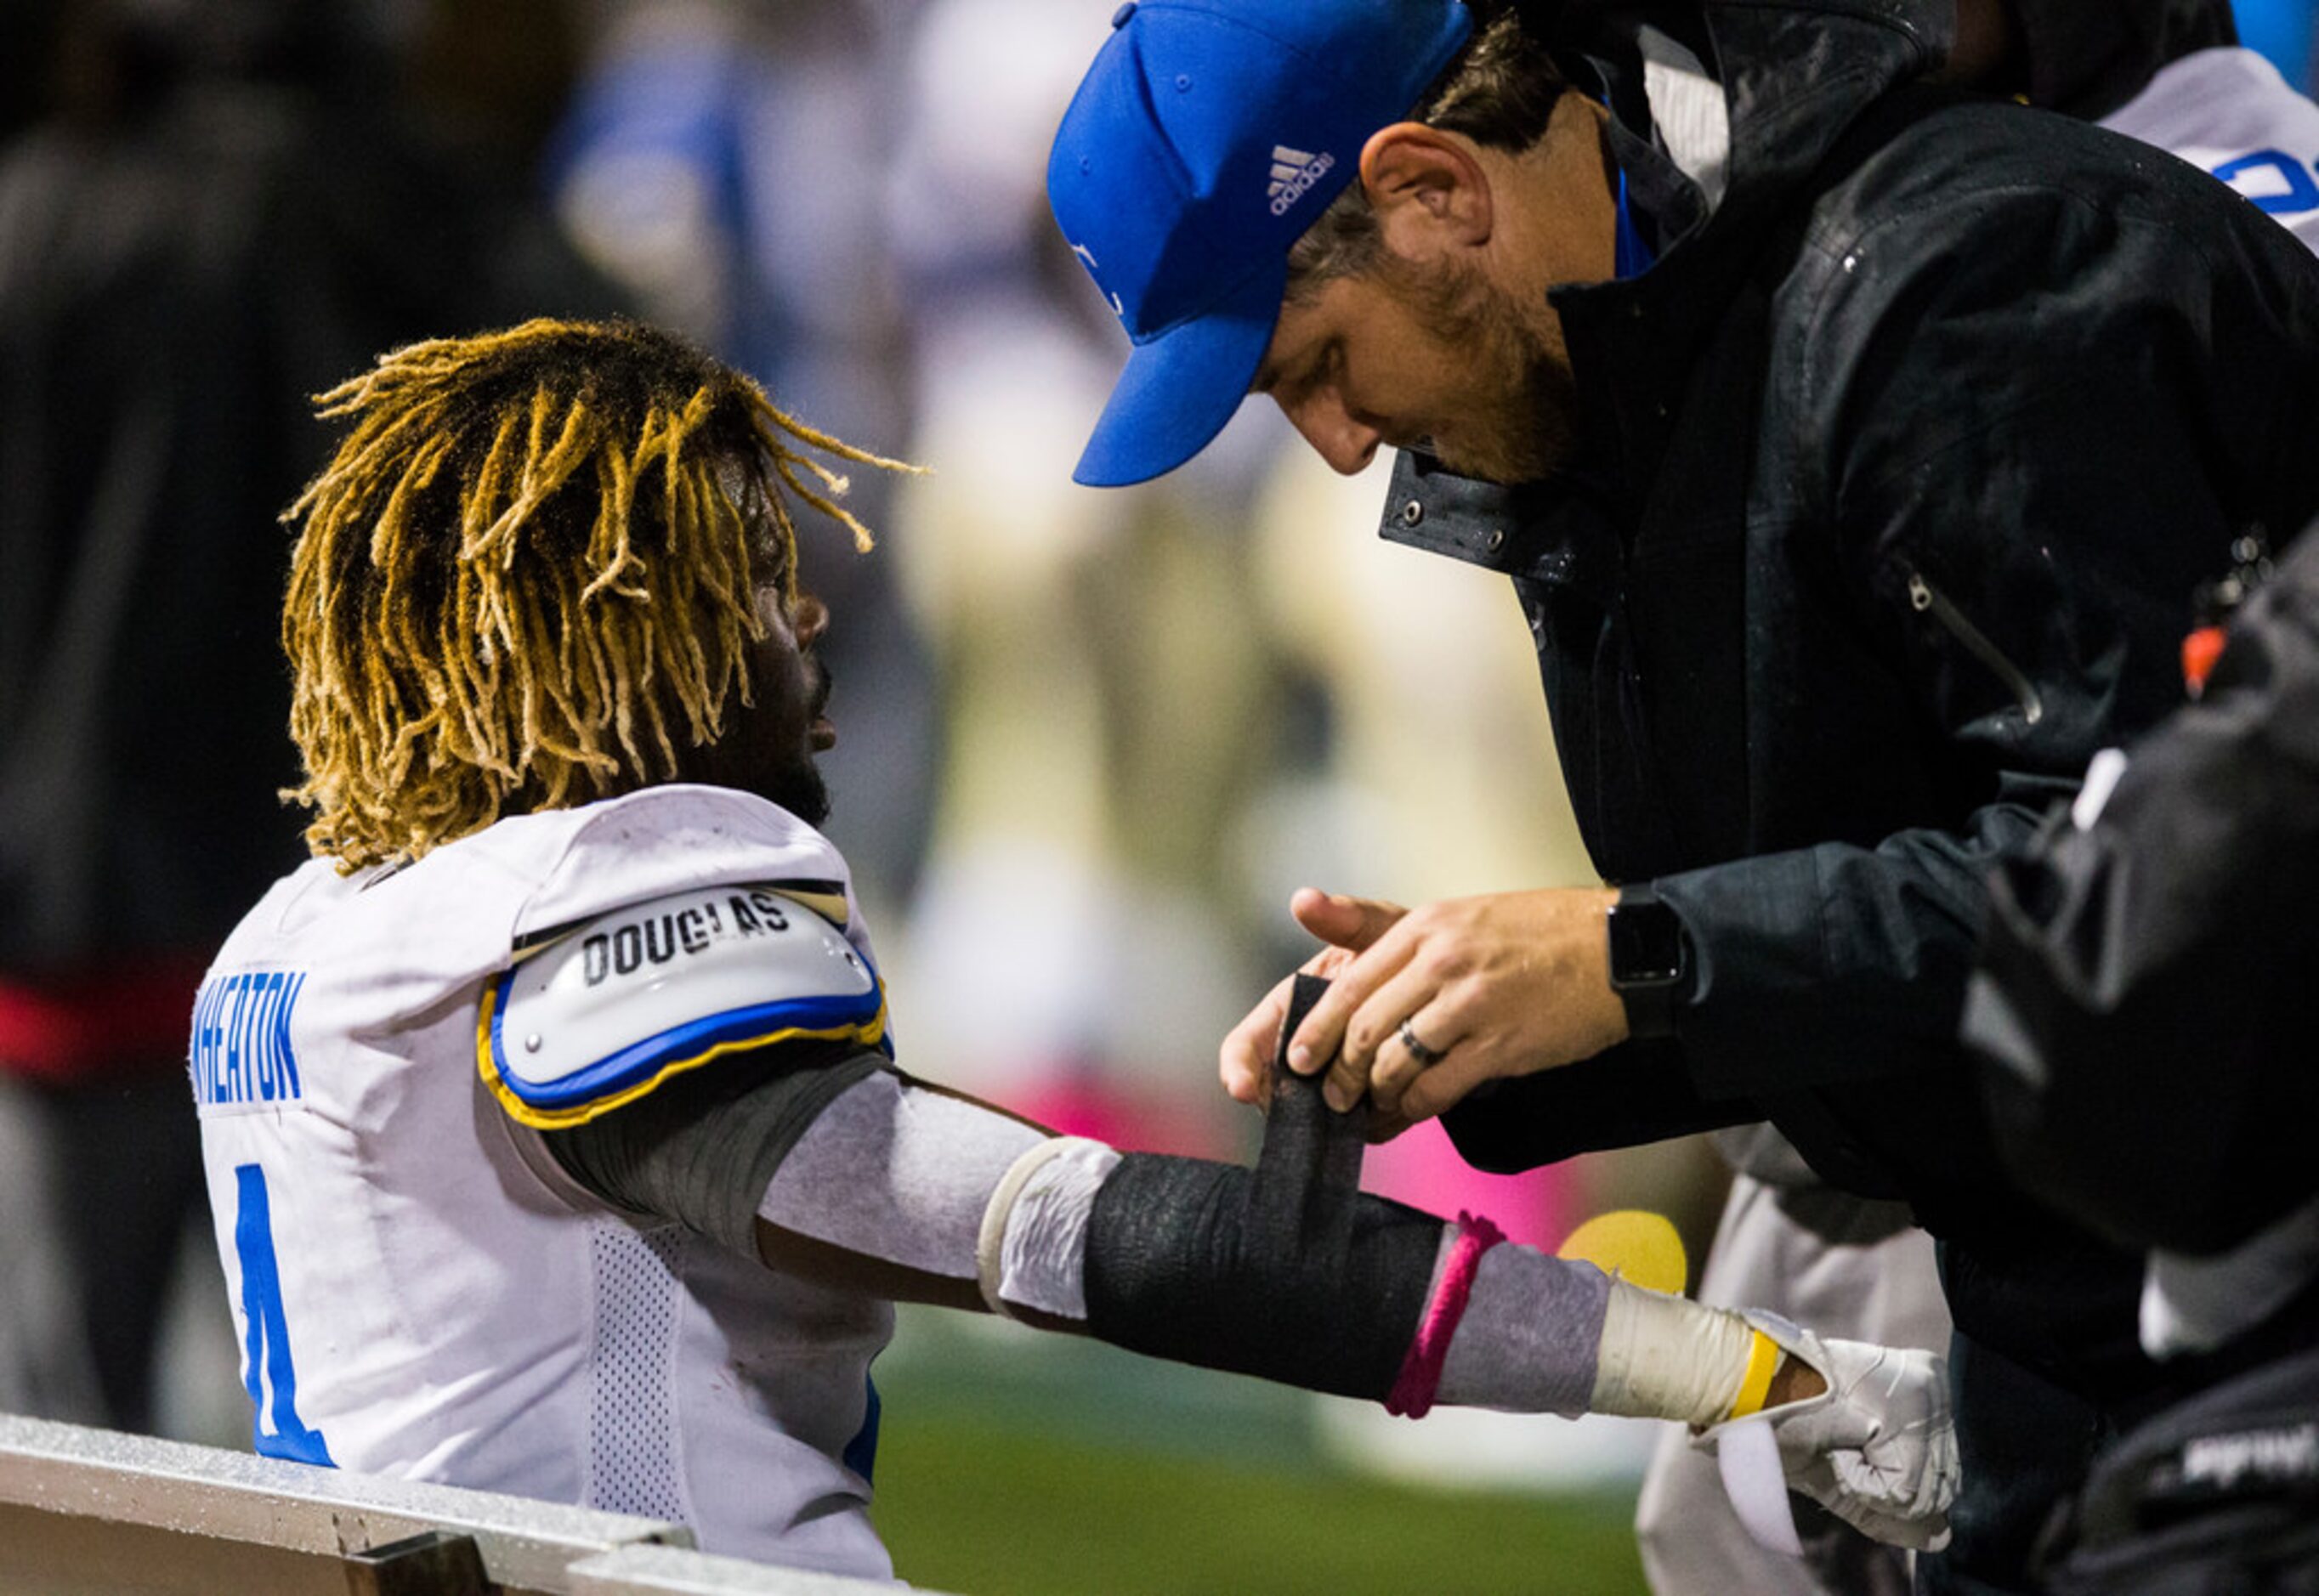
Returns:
<point x="1206" y="137"/>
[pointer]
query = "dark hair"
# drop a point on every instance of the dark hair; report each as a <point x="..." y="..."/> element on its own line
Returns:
<point x="1500" y="91"/>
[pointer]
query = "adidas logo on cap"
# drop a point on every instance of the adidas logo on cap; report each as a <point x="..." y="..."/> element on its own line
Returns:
<point x="1294" y="172"/>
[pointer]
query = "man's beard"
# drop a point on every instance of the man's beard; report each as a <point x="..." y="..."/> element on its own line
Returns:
<point x="787" y="777"/>
<point x="766" y="756"/>
<point x="1522" y="396"/>
<point x="796" y="783"/>
<point x="799" y="788"/>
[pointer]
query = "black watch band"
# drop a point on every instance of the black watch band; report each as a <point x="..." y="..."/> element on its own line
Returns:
<point x="1649" y="957"/>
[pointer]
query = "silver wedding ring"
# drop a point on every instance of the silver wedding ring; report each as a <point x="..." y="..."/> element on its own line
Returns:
<point x="1426" y="1057"/>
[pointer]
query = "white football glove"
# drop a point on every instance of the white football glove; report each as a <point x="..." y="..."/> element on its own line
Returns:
<point x="1877" y="1448"/>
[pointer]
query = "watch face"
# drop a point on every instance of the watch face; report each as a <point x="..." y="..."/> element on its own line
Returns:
<point x="1646" y="944"/>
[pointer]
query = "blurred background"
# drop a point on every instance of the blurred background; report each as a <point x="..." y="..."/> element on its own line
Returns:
<point x="1089" y="742"/>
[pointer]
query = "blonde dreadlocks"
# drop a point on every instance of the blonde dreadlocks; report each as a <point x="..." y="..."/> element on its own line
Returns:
<point x="522" y="579"/>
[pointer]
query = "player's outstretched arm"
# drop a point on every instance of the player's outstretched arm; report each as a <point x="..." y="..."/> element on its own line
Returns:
<point x="1285" y="1271"/>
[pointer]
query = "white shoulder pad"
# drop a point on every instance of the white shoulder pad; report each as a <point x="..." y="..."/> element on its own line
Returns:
<point x="605" y="1012"/>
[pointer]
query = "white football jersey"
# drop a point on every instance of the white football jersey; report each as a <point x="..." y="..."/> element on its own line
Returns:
<point x="2230" y="113"/>
<point x="420" y="1291"/>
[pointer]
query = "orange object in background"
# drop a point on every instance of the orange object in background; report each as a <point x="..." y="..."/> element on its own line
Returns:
<point x="2200" y="650"/>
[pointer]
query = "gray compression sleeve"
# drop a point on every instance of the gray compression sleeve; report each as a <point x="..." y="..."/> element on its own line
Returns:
<point x="1531" y="1335"/>
<point x="846" y="1151"/>
<point x="701" y="1149"/>
<point x="900" y="1172"/>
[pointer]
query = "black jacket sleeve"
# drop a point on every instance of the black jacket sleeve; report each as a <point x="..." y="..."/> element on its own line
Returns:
<point x="1628" y="1094"/>
<point x="2145" y="1004"/>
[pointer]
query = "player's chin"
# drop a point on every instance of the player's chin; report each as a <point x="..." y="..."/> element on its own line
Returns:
<point x="799" y="788"/>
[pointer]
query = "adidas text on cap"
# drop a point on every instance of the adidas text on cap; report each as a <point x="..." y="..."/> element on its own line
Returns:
<point x="1205" y="138"/>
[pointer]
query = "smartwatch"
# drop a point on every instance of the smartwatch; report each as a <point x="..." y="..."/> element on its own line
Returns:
<point x="1650" y="957"/>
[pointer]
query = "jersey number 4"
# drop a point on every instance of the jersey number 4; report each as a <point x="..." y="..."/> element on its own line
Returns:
<point x="271" y="1372"/>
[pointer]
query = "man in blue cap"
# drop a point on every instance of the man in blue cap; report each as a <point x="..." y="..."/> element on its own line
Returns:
<point x="1854" y="448"/>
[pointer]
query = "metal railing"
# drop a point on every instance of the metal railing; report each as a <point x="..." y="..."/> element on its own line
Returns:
<point x="92" y="1511"/>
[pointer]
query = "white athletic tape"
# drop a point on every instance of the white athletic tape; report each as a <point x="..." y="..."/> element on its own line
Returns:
<point x="1043" y="1259"/>
<point x="1749" y="1457"/>
<point x="1665" y="1356"/>
<point x="990" y="1246"/>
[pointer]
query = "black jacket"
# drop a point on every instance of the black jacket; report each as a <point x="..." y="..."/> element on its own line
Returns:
<point x="1894" y="479"/>
<point x="2145" y="1002"/>
<point x="2090" y="57"/>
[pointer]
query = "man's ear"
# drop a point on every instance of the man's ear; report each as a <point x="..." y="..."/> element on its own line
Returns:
<point x="1428" y="191"/>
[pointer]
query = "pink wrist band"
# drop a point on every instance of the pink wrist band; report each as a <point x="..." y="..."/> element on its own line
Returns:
<point x="1420" y="1371"/>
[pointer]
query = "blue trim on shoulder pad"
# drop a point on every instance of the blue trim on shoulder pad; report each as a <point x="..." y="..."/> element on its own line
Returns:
<point x="641" y="1060"/>
<point x="861" y="1454"/>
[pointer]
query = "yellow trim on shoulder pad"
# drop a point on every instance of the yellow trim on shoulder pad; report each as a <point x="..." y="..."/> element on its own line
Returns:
<point x="869" y="1033"/>
<point x="1763" y="1362"/>
<point x="830" y="906"/>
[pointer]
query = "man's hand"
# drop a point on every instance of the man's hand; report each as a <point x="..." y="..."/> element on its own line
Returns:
<point x="1877" y="1448"/>
<point x="1348" y="925"/>
<point x="1488" y="986"/>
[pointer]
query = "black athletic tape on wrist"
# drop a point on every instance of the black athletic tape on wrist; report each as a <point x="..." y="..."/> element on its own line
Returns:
<point x="1285" y="1271"/>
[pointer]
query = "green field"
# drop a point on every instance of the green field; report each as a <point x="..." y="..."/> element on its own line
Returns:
<point x="1011" y="1466"/>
